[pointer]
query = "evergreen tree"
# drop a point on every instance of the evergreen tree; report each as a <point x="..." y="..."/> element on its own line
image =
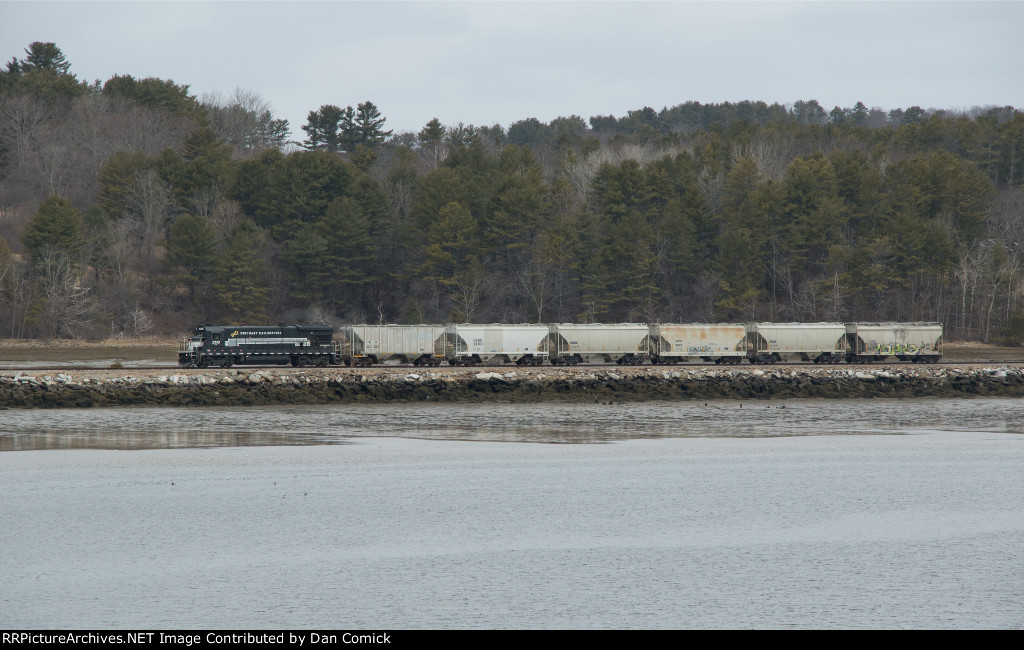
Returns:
<point x="56" y="226"/>
<point x="44" y="56"/>
<point x="306" y="255"/>
<point x="159" y="94"/>
<point x="190" y="252"/>
<point x="241" y="274"/>
<point x="349" y="252"/>
<point x="431" y="134"/>
<point x="369" y="126"/>
<point x="453" y="260"/>
<point x="44" y="73"/>
<point x="323" y="129"/>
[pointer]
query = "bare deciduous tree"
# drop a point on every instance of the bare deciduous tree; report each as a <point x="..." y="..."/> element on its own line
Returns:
<point x="68" y="307"/>
<point x="771" y="151"/>
<point x="21" y="117"/>
<point x="245" y="121"/>
<point x="150" y="207"/>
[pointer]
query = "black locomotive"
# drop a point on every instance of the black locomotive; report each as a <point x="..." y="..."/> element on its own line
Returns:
<point x="227" y="345"/>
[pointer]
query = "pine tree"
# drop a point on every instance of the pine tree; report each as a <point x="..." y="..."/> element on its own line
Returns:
<point x="56" y="226"/>
<point x="241" y="274"/>
<point x="190" y="254"/>
<point x="369" y="126"/>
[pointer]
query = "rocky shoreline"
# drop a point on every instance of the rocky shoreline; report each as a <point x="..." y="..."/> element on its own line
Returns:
<point x="240" y="387"/>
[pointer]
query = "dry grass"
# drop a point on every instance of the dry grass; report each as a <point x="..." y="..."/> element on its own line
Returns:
<point x="74" y="350"/>
<point x="967" y="351"/>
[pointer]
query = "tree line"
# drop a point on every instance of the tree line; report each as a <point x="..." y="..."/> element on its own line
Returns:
<point x="133" y="207"/>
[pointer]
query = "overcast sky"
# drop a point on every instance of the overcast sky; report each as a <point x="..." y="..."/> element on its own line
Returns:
<point x="500" y="62"/>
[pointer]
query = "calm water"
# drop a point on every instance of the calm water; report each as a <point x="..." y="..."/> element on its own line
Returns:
<point x="170" y="428"/>
<point x="822" y="514"/>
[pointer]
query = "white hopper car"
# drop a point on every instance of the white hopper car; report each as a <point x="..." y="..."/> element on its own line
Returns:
<point x="721" y="343"/>
<point x="366" y="345"/>
<point x="470" y="345"/>
<point x="622" y="343"/>
<point x="915" y="342"/>
<point x="775" y="342"/>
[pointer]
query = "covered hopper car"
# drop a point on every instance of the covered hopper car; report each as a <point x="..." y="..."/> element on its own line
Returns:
<point x="775" y="342"/>
<point x="366" y="345"/>
<point x="721" y="343"/>
<point x="470" y="345"/>
<point x="914" y="342"/>
<point x="623" y="343"/>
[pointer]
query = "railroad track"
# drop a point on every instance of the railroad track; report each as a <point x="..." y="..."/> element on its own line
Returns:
<point x="174" y="369"/>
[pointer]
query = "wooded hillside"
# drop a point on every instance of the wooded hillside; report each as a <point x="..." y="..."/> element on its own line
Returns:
<point x="131" y="207"/>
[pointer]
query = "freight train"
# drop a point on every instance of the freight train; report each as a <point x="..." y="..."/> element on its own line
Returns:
<point x="562" y="344"/>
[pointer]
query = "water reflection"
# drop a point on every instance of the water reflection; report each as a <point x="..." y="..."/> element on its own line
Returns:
<point x="129" y="440"/>
<point x="167" y="428"/>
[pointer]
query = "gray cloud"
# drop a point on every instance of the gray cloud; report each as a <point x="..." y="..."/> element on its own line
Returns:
<point x="498" y="62"/>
